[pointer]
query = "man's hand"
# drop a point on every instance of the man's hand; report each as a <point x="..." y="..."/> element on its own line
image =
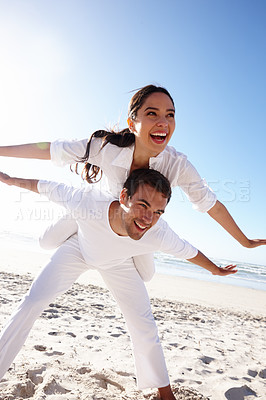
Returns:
<point x="29" y="184"/>
<point x="228" y="270"/>
<point x="5" y="178"/>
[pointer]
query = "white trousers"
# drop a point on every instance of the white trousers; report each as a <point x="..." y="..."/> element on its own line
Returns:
<point x="128" y="289"/>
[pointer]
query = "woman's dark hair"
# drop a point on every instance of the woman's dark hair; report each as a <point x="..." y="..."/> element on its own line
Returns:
<point x="141" y="95"/>
<point x="149" y="177"/>
<point x="123" y="138"/>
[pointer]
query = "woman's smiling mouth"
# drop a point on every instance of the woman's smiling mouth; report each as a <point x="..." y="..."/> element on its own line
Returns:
<point x="158" y="137"/>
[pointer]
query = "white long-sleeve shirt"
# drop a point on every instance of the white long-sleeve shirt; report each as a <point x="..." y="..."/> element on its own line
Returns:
<point x="116" y="162"/>
<point x="100" y="246"/>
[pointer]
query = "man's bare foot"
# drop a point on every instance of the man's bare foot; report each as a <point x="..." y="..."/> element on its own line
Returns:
<point x="166" y="393"/>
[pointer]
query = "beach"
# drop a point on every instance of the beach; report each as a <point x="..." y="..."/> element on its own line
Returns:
<point x="213" y="336"/>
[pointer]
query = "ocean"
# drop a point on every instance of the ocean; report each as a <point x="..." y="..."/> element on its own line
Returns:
<point x="249" y="275"/>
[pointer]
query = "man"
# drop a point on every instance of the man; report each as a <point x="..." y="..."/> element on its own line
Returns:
<point x="110" y="233"/>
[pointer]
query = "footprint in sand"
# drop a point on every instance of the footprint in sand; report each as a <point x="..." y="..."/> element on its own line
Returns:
<point x="38" y="383"/>
<point x="53" y="387"/>
<point x="252" y="373"/>
<point x="40" y="347"/>
<point x="206" y="359"/>
<point x="262" y="374"/>
<point x="23" y="390"/>
<point x="105" y="381"/>
<point x="35" y="375"/>
<point x="239" y="393"/>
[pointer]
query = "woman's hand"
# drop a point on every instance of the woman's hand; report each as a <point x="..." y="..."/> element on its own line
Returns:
<point x="224" y="271"/>
<point x="252" y="243"/>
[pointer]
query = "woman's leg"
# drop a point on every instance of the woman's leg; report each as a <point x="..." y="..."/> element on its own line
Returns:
<point x="64" y="268"/>
<point x="58" y="232"/>
<point x="145" y="266"/>
<point x="131" y="295"/>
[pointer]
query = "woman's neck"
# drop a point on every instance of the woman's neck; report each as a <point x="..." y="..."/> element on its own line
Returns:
<point x="136" y="164"/>
<point x="141" y="159"/>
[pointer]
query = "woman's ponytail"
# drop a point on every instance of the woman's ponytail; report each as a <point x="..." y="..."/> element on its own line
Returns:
<point x="123" y="138"/>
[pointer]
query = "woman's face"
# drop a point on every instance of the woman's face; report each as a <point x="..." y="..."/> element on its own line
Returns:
<point x="154" y="124"/>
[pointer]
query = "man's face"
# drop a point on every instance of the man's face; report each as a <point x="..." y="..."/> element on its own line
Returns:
<point x="142" y="210"/>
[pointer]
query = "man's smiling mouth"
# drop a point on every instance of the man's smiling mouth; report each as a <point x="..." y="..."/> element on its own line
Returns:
<point x="140" y="226"/>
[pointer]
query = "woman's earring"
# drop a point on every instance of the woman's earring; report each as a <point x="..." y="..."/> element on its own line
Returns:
<point x="130" y="125"/>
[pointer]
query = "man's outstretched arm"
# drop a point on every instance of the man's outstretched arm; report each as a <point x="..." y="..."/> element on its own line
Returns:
<point x="67" y="196"/>
<point x="204" y="262"/>
<point x="29" y="184"/>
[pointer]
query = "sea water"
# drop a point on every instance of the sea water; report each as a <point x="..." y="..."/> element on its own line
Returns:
<point x="248" y="275"/>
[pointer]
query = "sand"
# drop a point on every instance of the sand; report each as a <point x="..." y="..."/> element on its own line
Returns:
<point x="213" y="337"/>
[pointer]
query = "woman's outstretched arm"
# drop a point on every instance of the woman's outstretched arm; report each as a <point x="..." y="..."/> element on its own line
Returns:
<point x="221" y="215"/>
<point x="39" y="151"/>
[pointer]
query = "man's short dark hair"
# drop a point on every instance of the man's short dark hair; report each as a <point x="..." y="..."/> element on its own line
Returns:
<point x="149" y="177"/>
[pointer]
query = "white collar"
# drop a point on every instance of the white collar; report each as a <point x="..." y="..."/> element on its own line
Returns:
<point x="124" y="158"/>
<point x="157" y="159"/>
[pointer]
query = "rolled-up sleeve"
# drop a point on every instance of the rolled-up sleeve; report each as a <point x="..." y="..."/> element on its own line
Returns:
<point x="180" y="172"/>
<point x="196" y="188"/>
<point x="65" y="152"/>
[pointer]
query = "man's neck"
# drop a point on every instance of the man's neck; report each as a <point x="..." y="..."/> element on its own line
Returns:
<point x="115" y="219"/>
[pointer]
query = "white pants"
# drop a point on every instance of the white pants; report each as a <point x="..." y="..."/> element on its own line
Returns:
<point x="58" y="232"/>
<point x="128" y="289"/>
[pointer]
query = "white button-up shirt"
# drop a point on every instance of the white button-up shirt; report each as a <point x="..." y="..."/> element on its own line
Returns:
<point x="115" y="162"/>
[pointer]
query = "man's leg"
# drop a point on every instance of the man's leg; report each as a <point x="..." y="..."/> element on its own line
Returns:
<point x="131" y="295"/>
<point x="64" y="268"/>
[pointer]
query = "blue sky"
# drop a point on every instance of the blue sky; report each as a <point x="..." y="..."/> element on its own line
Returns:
<point x="67" y="69"/>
